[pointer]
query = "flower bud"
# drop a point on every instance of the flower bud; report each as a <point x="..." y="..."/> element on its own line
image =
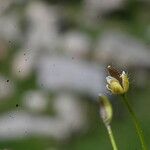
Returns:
<point x="117" y="83"/>
<point x="106" y="111"/>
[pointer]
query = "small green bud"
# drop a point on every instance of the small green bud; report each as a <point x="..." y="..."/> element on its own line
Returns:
<point x="106" y="111"/>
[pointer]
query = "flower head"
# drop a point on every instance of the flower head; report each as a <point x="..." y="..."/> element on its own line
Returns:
<point x="106" y="111"/>
<point x="117" y="83"/>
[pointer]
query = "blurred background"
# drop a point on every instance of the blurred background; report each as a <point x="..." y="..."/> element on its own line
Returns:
<point x="53" y="58"/>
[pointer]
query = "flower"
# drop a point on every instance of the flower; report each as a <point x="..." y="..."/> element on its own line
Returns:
<point x="117" y="83"/>
<point x="106" y="111"/>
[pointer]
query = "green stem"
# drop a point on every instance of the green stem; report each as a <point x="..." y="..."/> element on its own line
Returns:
<point x="136" y="122"/>
<point x="111" y="136"/>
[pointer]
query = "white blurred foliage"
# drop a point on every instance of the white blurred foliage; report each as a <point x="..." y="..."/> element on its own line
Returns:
<point x="103" y="5"/>
<point x="70" y="118"/>
<point x="23" y="63"/>
<point x="4" y="5"/>
<point x="94" y="8"/>
<point x="69" y="108"/>
<point x="61" y="73"/>
<point x="7" y="87"/>
<point x="42" y="32"/>
<point x="9" y="27"/>
<point x="35" y="101"/>
<point x="76" y="44"/>
<point x="121" y="48"/>
<point x="41" y="37"/>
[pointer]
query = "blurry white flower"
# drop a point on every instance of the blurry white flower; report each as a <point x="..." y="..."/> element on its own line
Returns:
<point x="9" y="27"/>
<point x="70" y="117"/>
<point x="42" y="23"/>
<point x="76" y="44"/>
<point x="70" y="110"/>
<point x="61" y="73"/>
<point x="94" y="9"/>
<point x="120" y="48"/>
<point x="23" y="63"/>
<point x="35" y="101"/>
<point x="7" y="87"/>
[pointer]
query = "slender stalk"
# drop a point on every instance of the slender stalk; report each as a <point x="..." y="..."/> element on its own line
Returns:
<point x="136" y="122"/>
<point x="111" y="136"/>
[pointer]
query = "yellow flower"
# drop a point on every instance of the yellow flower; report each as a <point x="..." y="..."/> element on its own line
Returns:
<point x="106" y="111"/>
<point x="117" y="83"/>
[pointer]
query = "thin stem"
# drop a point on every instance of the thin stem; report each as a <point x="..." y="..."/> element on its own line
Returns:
<point x="111" y="136"/>
<point x="136" y="123"/>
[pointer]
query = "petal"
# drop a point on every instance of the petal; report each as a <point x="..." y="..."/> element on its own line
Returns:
<point x="111" y="79"/>
<point x="108" y="87"/>
<point x="125" y="82"/>
<point x="108" y="79"/>
<point x="116" y="88"/>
